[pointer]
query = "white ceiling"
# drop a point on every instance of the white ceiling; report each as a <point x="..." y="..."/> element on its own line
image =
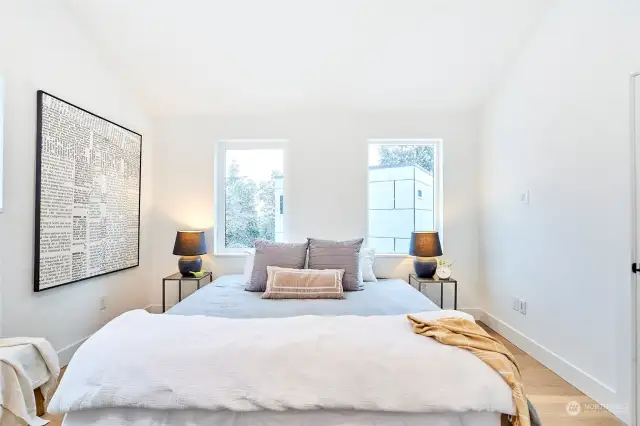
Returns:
<point x="186" y="57"/>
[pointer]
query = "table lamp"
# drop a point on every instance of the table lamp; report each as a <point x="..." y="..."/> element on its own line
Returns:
<point x="189" y="246"/>
<point x="425" y="246"/>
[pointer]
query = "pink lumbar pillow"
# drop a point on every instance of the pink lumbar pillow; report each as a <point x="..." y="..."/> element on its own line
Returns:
<point x="286" y="283"/>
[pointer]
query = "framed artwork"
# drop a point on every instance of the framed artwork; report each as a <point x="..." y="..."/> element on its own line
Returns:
<point x="88" y="174"/>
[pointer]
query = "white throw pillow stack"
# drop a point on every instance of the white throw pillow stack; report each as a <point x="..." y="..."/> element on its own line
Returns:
<point x="248" y="265"/>
<point x="366" y="274"/>
<point x="367" y="259"/>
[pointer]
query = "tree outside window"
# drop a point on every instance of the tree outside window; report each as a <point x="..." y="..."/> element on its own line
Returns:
<point x="253" y="188"/>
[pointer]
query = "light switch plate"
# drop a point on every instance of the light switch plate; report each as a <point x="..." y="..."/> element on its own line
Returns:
<point x="523" y="307"/>
<point x="515" y="304"/>
<point x="524" y="197"/>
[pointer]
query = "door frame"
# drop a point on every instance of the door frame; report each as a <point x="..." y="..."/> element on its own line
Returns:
<point x="634" y="83"/>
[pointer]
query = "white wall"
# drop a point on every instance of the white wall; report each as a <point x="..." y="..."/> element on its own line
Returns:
<point x="325" y="180"/>
<point x="41" y="48"/>
<point x="559" y="127"/>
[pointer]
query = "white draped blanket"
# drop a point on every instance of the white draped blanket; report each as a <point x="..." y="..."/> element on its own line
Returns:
<point x="16" y="393"/>
<point x="304" y="363"/>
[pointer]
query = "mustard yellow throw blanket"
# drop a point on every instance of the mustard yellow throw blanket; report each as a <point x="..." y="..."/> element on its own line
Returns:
<point x="470" y="336"/>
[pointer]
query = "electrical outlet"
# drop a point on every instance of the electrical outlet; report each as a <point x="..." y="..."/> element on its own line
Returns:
<point x="103" y="303"/>
<point x="523" y="307"/>
<point x="515" y="304"/>
<point x="524" y="196"/>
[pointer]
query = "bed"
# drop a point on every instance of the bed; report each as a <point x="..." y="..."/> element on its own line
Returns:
<point x="138" y="417"/>
<point x="226" y="300"/>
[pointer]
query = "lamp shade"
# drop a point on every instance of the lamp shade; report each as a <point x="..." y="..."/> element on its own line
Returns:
<point x="190" y="243"/>
<point x="425" y="244"/>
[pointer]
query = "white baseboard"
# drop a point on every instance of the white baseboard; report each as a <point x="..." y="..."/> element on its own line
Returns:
<point x="65" y="354"/>
<point x="583" y="381"/>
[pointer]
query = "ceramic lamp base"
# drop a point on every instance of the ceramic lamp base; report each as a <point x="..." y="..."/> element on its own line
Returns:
<point x="425" y="267"/>
<point x="189" y="264"/>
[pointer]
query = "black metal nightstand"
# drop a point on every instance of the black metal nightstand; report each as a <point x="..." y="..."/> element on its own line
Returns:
<point x="178" y="277"/>
<point x="425" y="281"/>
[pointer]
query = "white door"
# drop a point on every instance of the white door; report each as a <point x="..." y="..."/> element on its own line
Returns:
<point x="635" y="135"/>
<point x="1" y="186"/>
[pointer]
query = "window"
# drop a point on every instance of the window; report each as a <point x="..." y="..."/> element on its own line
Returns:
<point x="403" y="192"/>
<point x="249" y="194"/>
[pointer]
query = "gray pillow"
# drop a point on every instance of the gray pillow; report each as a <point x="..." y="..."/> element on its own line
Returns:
<point x="283" y="255"/>
<point x="325" y="254"/>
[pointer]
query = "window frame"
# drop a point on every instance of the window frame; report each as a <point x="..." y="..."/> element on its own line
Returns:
<point x="220" y="191"/>
<point x="438" y="196"/>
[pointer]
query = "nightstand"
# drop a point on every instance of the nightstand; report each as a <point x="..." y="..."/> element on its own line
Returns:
<point x="421" y="284"/>
<point x="178" y="277"/>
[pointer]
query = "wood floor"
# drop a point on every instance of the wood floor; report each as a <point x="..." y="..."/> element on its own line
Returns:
<point x="550" y="394"/>
<point x="547" y="391"/>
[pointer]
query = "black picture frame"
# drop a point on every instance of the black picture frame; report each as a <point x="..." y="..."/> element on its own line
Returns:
<point x="38" y="195"/>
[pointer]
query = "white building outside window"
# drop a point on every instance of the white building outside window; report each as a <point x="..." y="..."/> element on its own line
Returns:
<point x="404" y="192"/>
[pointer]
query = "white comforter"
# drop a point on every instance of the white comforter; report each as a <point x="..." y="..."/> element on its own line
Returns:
<point x="303" y="363"/>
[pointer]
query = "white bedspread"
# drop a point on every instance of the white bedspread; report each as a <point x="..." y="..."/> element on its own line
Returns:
<point x="377" y="363"/>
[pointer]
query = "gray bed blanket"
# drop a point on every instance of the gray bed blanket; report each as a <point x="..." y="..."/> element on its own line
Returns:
<point x="226" y="298"/>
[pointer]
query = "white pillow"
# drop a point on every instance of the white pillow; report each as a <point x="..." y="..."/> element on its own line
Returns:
<point x="367" y="258"/>
<point x="248" y="266"/>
